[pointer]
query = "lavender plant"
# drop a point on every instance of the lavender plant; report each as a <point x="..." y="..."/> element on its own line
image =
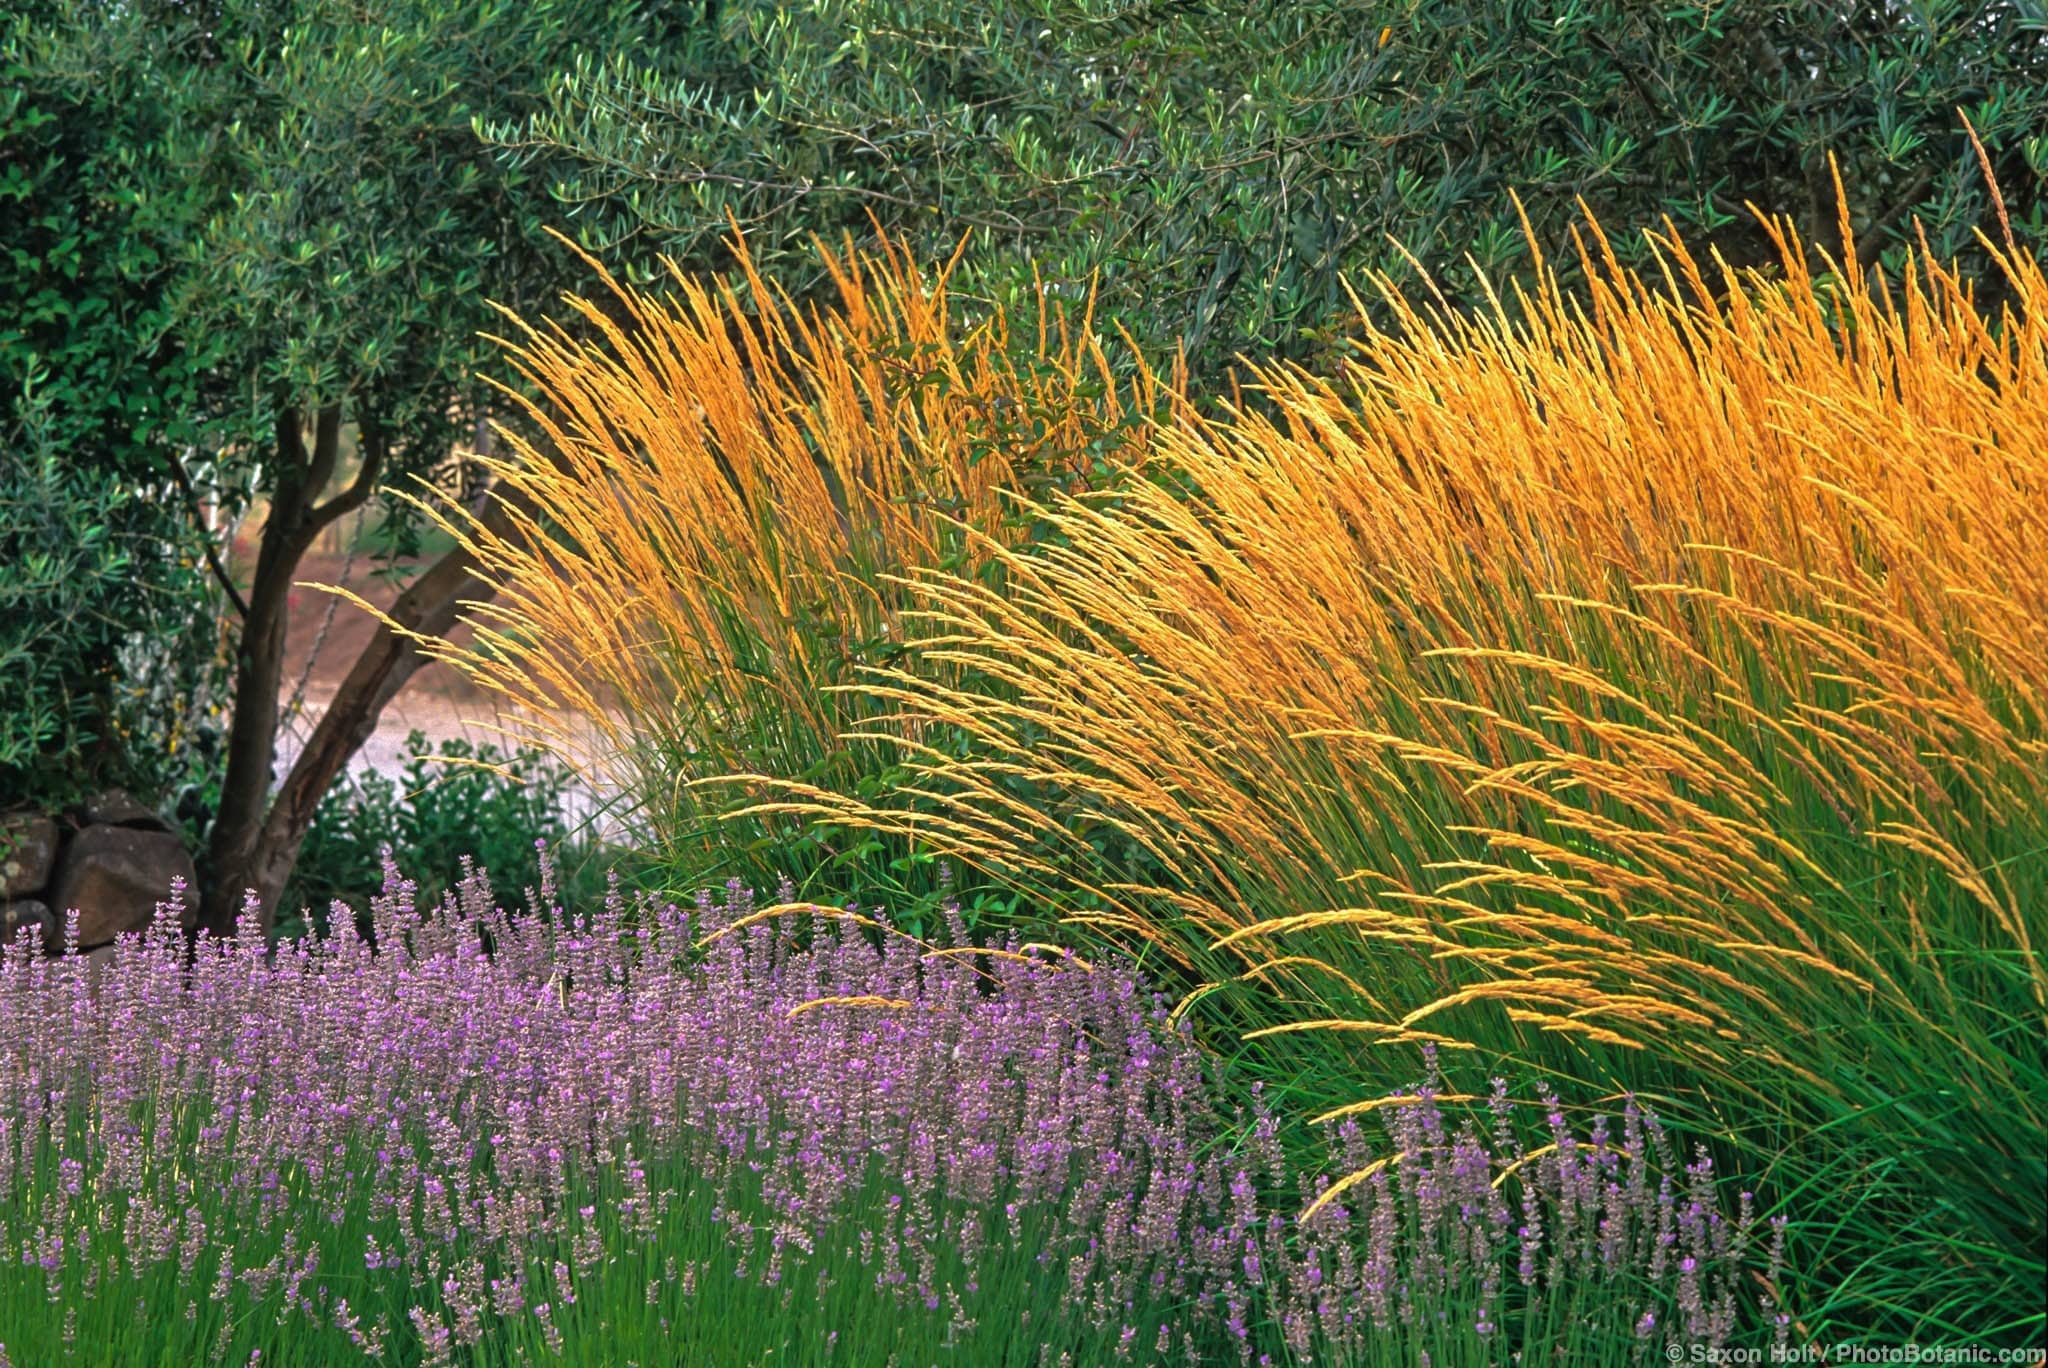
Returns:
<point x="729" y="1134"/>
<point x="1598" y="1242"/>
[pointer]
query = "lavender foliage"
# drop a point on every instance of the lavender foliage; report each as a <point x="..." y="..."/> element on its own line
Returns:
<point x="656" y="1134"/>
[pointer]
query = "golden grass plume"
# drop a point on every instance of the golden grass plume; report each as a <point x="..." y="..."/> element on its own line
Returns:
<point x="1657" y="673"/>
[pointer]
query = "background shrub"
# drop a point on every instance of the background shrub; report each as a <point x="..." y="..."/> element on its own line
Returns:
<point x="112" y="669"/>
<point x="1216" y="173"/>
<point x="110" y="662"/>
<point x="453" y="802"/>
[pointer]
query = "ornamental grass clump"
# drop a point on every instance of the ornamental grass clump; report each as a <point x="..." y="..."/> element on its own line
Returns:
<point x="1650" y="687"/>
<point x="726" y="1134"/>
<point x="1647" y="685"/>
<point x="726" y="488"/>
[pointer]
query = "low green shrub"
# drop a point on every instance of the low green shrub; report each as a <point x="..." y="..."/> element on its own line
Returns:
<point x="449" y="803"/>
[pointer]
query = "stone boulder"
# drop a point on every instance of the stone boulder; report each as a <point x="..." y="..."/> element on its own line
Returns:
<point x="118" y="807"/>
<point x="28" y="851"/>
<point x="115" y="876"/>
<point x="16" y="918"/>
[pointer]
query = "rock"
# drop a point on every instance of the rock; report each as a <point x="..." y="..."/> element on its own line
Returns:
<point x="115" y="876"/>
<point x="118" y="807"/>
<point x="16" y="918"/>
<point x="28" y="849"/>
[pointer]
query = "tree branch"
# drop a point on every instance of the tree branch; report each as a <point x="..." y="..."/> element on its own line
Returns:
<point x="291" y="441"/>
<point x="220" y="571"/>
<point x="376" y="451"/>
<point x="326" y="452"/>
<point x="1870" y="246"/>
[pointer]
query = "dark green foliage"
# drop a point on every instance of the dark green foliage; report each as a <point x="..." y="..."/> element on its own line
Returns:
<point x="284" y="206"/>
<point x="91" y="215"/>
<point x="110" y="657"/>
<point x="460" y="800"/>
<point x="1228" y="169"/>
<point x="111" y="671"/>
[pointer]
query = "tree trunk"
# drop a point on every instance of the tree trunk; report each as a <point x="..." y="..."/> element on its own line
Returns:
<point x="426" y="609"/>
<point x="295" y="519"/>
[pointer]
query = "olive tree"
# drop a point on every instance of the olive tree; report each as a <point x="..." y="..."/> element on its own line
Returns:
<point x="311" y="237"/>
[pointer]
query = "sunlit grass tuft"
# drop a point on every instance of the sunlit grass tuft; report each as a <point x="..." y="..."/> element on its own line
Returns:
<point x="729" y="483"/>
<point x="1649" y="686"/>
